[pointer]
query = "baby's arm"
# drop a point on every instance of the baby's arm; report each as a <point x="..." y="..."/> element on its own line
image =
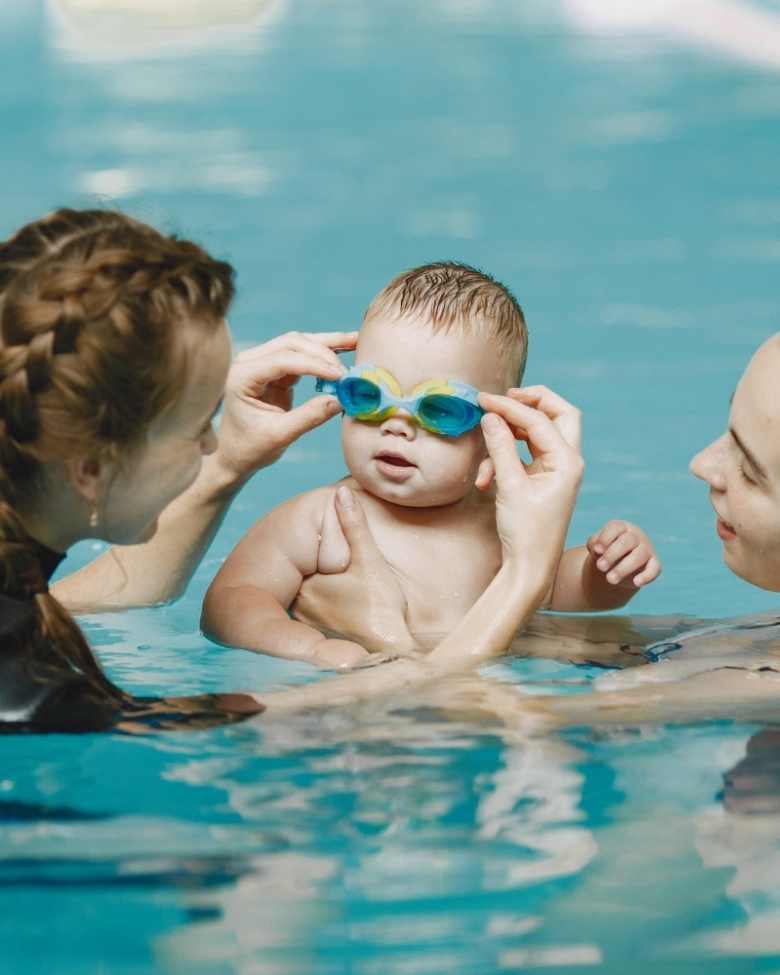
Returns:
<point x="246" y="604"/>
<point x="606" y="572"/>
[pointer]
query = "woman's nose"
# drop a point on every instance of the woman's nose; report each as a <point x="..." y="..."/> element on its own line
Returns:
<point x="709" y="465"/>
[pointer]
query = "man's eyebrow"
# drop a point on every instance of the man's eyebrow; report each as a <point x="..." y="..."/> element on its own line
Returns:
<point x="757" y="467"/>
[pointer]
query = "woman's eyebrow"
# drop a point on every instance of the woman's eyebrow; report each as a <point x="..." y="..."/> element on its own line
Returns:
<point x="751" y="459"/>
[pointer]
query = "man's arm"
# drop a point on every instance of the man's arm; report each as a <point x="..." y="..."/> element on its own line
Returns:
<point x="605" y="573"/>
<point x="246" y="604"/>
<point x="258" y="424"/>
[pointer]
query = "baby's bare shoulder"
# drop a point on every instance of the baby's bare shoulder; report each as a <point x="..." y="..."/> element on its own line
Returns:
<point x="289" y="532"/>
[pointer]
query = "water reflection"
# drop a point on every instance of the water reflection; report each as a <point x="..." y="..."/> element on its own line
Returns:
<point x="440" y="840"/>
<point x="745" y="837"/>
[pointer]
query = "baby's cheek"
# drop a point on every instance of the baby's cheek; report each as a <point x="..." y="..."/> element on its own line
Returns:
<point x="465" y="460"/>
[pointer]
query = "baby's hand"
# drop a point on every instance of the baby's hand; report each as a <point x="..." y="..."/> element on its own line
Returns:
<point x="625" y="554"/>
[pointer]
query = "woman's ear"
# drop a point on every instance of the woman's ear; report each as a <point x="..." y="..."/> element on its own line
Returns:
<point x="485" y="474"/>
<point x="84" y="475"/>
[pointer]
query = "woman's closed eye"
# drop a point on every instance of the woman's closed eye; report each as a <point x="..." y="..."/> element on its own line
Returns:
<point x="745" y="476"/>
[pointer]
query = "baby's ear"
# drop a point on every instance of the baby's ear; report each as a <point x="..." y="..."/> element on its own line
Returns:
<point x="485" y="474"/>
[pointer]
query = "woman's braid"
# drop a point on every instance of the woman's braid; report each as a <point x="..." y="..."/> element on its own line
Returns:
<point x="97" y="314"/>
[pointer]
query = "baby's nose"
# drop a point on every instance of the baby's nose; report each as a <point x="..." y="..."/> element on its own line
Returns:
<point x="400" y="424"/>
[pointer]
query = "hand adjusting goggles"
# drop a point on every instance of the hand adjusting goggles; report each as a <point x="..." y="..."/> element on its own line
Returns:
<point x="442" y="406"/>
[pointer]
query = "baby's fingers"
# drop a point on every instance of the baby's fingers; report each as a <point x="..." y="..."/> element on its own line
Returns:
<point x="601" y="541"/>
<point x="649" y="573"/>
<point x="619" y="549"/>
<point x="628" y="567"/>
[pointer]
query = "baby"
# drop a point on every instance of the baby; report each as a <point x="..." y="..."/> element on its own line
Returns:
<point x="433" y="338"/>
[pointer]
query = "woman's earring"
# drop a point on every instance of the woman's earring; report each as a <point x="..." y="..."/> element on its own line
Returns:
<point x="94" y="519"/>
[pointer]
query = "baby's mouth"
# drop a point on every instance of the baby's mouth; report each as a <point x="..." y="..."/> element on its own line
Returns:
<point x="393" y="465"/>
<point x="395" y="460"/>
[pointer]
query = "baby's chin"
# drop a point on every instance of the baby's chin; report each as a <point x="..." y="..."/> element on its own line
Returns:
<point x="406" y="495"/>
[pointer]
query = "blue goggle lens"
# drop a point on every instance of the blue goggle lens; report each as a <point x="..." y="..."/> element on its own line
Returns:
<point x="449" y="415"/>
<point x="359" y="397"/>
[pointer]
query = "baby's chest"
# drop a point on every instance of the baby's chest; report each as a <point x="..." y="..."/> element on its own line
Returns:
<point x="441" y="572"/>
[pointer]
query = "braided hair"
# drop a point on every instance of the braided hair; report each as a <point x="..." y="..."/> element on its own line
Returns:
<point x="98" y="314"/>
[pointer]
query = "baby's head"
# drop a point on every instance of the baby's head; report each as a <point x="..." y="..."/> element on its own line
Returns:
<point x="454" y="298"/>
<point x="442" y="321"/>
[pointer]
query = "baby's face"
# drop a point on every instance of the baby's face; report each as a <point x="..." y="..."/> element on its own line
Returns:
<point x="396" y="459"/>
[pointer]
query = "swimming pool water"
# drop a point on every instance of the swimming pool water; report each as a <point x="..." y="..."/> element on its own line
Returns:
<point x="615" y="166"/>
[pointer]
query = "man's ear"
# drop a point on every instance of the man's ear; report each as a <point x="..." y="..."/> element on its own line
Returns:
<point x="83" y="475"/>
<point x="485" y="474"/>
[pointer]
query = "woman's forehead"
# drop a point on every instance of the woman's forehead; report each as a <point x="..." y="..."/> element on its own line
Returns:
<point x="755" y="408"/>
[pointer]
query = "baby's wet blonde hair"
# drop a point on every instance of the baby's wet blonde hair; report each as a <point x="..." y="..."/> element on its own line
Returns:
<point x="453" y="295"/>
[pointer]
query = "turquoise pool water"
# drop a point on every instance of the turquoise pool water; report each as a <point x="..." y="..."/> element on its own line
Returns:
<point x="616" y="165"/>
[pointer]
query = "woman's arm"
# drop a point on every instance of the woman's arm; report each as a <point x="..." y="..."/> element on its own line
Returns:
<point x="258" y="424"/>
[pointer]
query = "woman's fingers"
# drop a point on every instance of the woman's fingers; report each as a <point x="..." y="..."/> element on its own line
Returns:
<point x="567" y="418"/>
<point x="534" y="503"/>
<point x="545" y="441"/>
<point x="290" y="425"/>
<point x="283" y="360"/>
<point x="502" y="447"/>
<point x="353" y="523"/>
<point x="312" y="342"/>
<point x="285" y="365"/>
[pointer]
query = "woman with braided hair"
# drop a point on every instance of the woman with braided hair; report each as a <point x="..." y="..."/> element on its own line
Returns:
<point x="114" y="358"/>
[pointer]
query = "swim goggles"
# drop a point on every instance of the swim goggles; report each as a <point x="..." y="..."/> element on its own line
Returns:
<point x="442" y="406"/>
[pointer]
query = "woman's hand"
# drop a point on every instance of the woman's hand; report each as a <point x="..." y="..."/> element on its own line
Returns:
<point x="566" y="418"/>
<point x="364" y="603"/>
<point x="535" y="501"/>
<point x="258" y="419"/>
